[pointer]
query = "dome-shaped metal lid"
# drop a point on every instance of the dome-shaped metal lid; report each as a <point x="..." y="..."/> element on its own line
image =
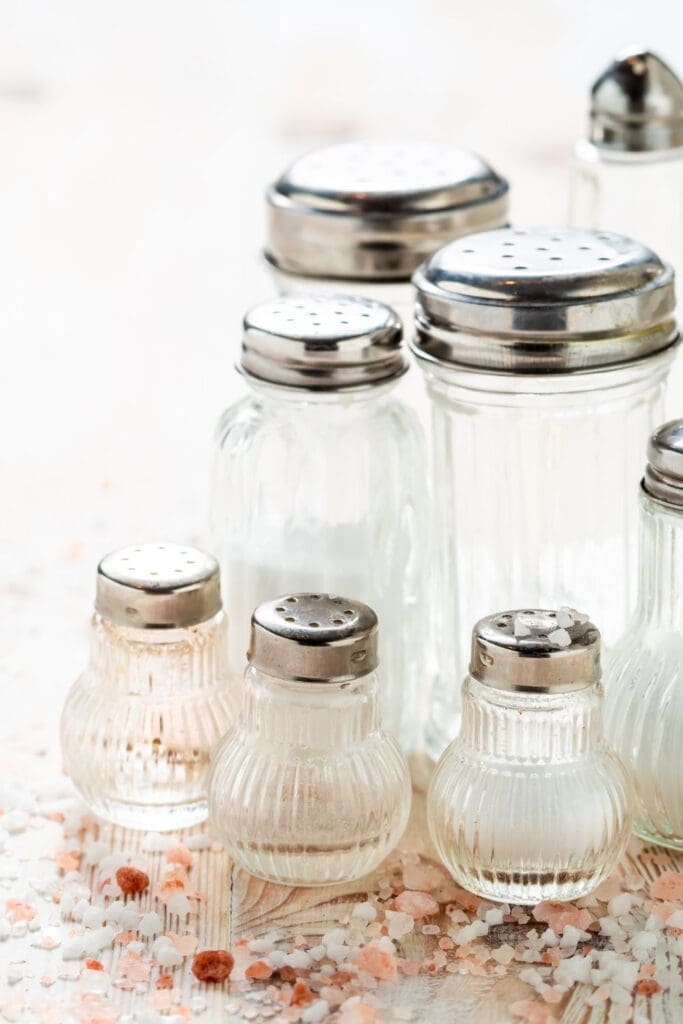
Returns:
<point x="317" y="638"/>
<point x="543" y="300"/>
<point x="158" y="586"/>
<point x="637" y="104"/>
<point x="536" y="650"/>
<point x="663" y="478"/>
<point x="322" y="342"/>
<point x="374" y="210"/>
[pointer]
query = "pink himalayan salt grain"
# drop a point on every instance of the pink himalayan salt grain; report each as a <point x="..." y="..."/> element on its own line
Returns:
<point x="446" y="943"/>
<point x="377" y="962"/>
<point x="558" y="915"/>
<point x="663" y="911"/>
<point x="259" y="970"/>
<point x="360" y="1013"/>
<point x="503" y="954"/>
<point x="417" y="904"/>
<point x="132" y="967"/>
<point x="533" y="1012"/>
<point x="409" y="967"/>
<point x="183" y="944"/>
<point x="180" y="855"/>
<point x="18" y="911"/>
<point x="415" y="877"/>
<point x="669" y="886"/>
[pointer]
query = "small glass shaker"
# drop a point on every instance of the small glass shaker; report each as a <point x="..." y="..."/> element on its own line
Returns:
<point x="359" y="217"/>
<point x="139" y="726"/>
<point x="541" y="348"/>
<point x="529" y="803"/>
<point x="628" y="174"/>
<point x="643" y="682"/>
<point x="319" y="479"/>
<point x="307" y="788"/>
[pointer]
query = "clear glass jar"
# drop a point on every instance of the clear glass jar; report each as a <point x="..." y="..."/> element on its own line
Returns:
<point x="533" y="370"/>
<point x="628" y="175"/>
<point x="307" y="788"/>
<point x="139" y="726"/>
<point x="529" y="803"/>
<point x="320" y="481"/>
<point x="644" y="702"/>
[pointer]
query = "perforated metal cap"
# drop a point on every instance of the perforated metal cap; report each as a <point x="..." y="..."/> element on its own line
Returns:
<point x="317" y="638"/>
<point x="374" y="210"/>
<point x="663" y="478"/>
<point x="158" y="586"/>
<point x="543" y="300"/>
<point x="322" y="342"/>
<point x="536" y="649"/>
<point x="637" y="104"/>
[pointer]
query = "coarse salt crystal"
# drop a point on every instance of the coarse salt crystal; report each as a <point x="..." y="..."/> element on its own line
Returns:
<point x="619" y="905"/>
<point x="365" y="911"/>
<point x="571" y="936"/>
<point x="261" y="946"/>
<point x="168" y="957"/>
<point x="93" y="917"/>
<point x="520" y="627"/>
<point x="316" y="1012"/>
<point x="494" y="916"/>
<point x="564" y="618"/>
<point x="179" y="904"/>
<point x="299" y="960"/>
<point x="317" y="953"/>
<point x="72" y="948"/>
<point x="560" y="637"/>
<point x="150" y="925"/>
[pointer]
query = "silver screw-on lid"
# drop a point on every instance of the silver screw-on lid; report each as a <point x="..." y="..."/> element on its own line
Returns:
<point x="322" y="342"/>
<point x="374" y="210"/>
<point x="158" y="586"/>
<point x="536" y="650"/>
<point x="315" y="638"/>
<point x="663" y="478"/>
<point x="637" y="104"/>
<point x="543" y="300"/>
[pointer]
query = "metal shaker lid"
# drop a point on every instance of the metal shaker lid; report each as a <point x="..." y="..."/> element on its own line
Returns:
<point x="322" y="342"/>
<point x="158" y="586"/>
<point x="543" y="300"/>
<point x="374" y="210"/>
<point x="315" y="638"/>
<point x="663" y="478"/>
<point x="637" y="104"/>
<point x="536" y="650"/>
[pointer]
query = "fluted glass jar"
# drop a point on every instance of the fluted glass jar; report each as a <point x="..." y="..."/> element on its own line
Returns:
<point x="307" y="788"/>
<point x="319" y="480"/>
<point x="529" y="803"/>
<point x="644" y="675"/>
<point x="542" y="350"/>
<point x="140" y="724"/>
<point x="628" y="174"/>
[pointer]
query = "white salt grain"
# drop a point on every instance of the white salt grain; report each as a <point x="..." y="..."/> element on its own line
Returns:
<point x="261" y="946"/>
<point x="72" y="948"/>
<point x="619" y="905"/>
<point x="316" y="1012"/>
<point x="201" y="841"/>
<point x="317" y="953"/>
<point x="15" y="973"/>
<point x="398" y="923"/>
<point x="169" y="957"/>
<point x="179" y="904"/>
<point x="560" y="637"/>
<point x="365" y="911"/>
<point x="564" y="618"/>
<point x="93" y="917"/>
<point x="520" y="627"/>
<point x="15" y="821"/>
<point x="299" y="960"/>
<point x="150" y="925"/>
<point x="494" y="916"/>
<point x="5" y="929"/>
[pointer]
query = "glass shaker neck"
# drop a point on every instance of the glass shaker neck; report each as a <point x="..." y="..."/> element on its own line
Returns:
<point x="157" y="661"/>
<point x="531" y="728"/>
<point x="660" y="598"/>
<point x="360" y="396"/>
<point x="321" y="716"/>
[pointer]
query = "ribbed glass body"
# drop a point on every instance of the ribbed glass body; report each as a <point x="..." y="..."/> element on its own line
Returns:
<point x="139" y="726"/>
<point x="528" y="803"/>
<point x="526" y="511"/>
<point x="326" y="491"/>
<point x="644" y="680"/>
<point x="306" y="788"/>
<point x="636" y="194"/>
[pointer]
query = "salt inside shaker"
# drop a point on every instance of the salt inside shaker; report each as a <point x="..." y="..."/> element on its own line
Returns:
<point x="644" y="688"/>
<point x="359" y="217"/>
<point x="139" y="726"/>
<point x="319" y="479"/>
<point x="541" y="349"/>
<point x="307" y="788"/>
<point x="529" y="803"/>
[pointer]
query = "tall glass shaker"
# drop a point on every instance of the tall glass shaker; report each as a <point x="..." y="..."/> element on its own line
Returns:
<point x="319" y="480"/>
<point x="628" y="174"/>
<point x="359" y="217"/>
<point x="546" y="354"/>
<point x="644" y="679"/>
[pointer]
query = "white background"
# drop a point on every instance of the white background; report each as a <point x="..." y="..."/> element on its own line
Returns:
<point x="136" y="138"/>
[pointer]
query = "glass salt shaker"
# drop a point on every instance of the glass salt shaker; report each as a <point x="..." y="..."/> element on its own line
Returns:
<point x="529" y="803"/>
<point x="319" y="479"/>
<point x="628" y="174"/>
<point x="139" y="726"/>
<point x="542" y="349"/>
<point x="644" y="695"/>
<point x="307" y="788"/>
<point x="359" y="217"/>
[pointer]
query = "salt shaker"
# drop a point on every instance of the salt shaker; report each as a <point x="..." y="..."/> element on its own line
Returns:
<point x="319" y="479"/>
<point x="360" y="216"/>
<point x="307" y="788"/>
<point x="644" y="695"/>
<point x="542" y="349"/>
<point x="139" y="726"/>
<point x="529" y="803"/>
